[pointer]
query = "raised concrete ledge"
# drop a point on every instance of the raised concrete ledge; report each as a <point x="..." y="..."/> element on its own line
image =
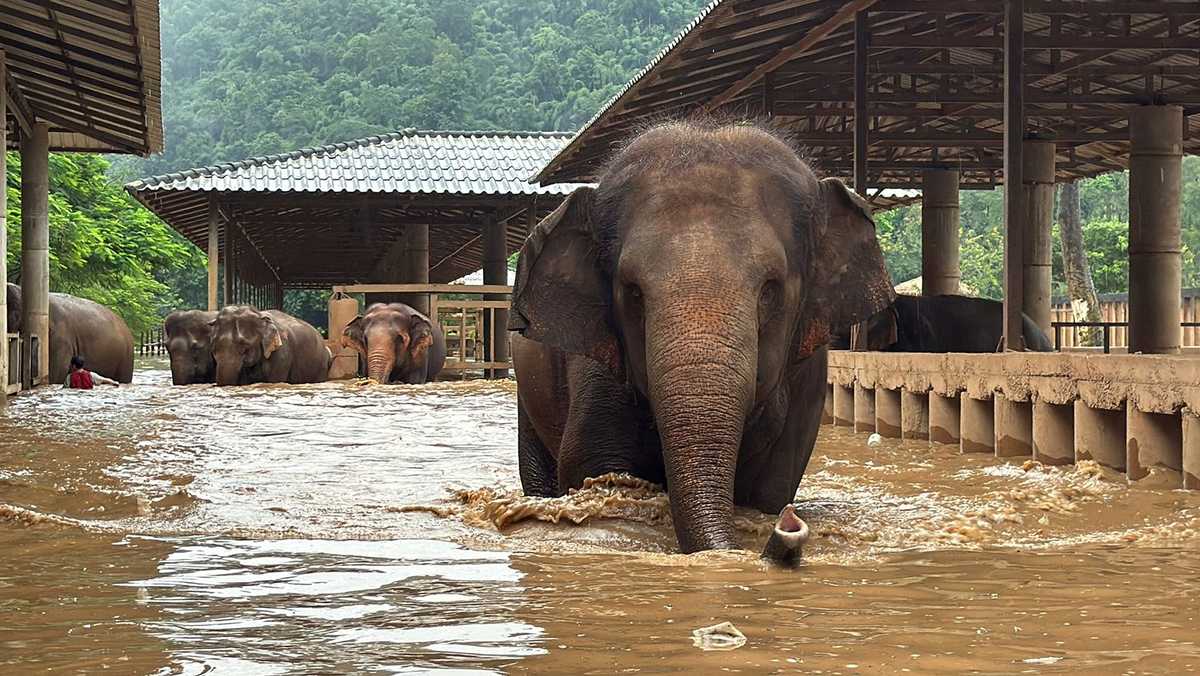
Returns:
<point x="1150" y="383"/>
<point x="1129" y="412"/>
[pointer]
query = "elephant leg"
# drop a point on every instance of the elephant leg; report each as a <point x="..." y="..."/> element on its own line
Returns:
<point x="539" y="470"/>
<point x="604" y="431"/>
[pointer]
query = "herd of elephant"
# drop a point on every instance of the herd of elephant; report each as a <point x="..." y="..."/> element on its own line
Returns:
<point x="672" y="322"/>
<point x="239" y="345"/>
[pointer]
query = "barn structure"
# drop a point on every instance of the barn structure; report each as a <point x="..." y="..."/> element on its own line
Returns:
<point x="75" y="75"/>
<point x="416" y="209"/>
<point x="945" y="96"/>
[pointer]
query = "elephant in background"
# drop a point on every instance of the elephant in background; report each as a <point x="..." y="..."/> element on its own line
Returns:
<point x="81" y="327"/>
<point x="946" y="323"/>
<point x="189" y="343"/>
<point x="673" y="323"/>
<point x="252" y="346"/>
<point x="398" y="343"/>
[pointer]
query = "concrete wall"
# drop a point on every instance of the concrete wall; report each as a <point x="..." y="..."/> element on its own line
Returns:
<point x="1133" y="413"/>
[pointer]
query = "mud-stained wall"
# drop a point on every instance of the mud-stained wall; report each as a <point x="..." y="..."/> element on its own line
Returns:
<point x="1037" y="401"/>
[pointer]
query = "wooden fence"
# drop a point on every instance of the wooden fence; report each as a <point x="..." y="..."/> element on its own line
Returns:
<point x="464" y="321"/>
<point x="1116" y="310"/>
<point x="152" y="342"/>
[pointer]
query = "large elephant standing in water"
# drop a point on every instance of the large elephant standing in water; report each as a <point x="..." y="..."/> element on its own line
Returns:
<point x="189" y="343"/>
<point x="399" y="344"/>
<point x="674" y="320"/>
<point x="81" y="327"/>
<point x="252" y="346"/>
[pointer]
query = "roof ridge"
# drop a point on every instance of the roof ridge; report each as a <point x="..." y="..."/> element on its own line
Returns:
<point x="337" y="146"/>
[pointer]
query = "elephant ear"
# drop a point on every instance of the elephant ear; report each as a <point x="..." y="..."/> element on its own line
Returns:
<point x="354" y="336"/>
<point x="420" y="336"/>
<point x="850" y="280"/>
<point x="272" y="337"/>
<point x="563" y="296"/>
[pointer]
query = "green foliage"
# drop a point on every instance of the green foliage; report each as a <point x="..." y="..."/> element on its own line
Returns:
<point x="103" y="245"/>
<point x="251" y="77"/>
<point x="1104" y="203"/>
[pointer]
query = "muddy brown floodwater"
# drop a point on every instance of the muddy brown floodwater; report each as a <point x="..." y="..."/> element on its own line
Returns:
<point x="349" y="528"/>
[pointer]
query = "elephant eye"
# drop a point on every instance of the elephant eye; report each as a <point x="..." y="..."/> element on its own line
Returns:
<point x="633" y="292"/>
<point x="768" y="301"/>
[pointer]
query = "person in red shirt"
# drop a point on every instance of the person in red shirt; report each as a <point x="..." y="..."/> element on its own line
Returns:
<point x="79" y="378"/>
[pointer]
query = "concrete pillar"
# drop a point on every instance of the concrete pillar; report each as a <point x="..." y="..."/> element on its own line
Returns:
<point x="1053" y="433"/>
<point x="843" y="406"/>
<point x="977" y="426"/>
<point x="3" y="233"/>
<point x="945" y="417"/>
<point x="1155" y="171"/>
<point x="1191" y="450"/>
<point x="827" y="412"/>
<point x="940" y="272"/>
<point x="1100" y="435"/>
<point x="887" y="413"/>
<point x="214" y="254"/>
<point x="1152" y="439"/>
<point x="914" y="414"/>
<point x="35" y="251"/>
<point x="1013" y="424"/>
<point x="495" y="271"/>
<point x="1038" y="179"/>
<point x="416" y="265"/>
<point x="864" y="409"/>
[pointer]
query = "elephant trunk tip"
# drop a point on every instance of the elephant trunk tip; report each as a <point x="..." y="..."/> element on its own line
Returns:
<point x="787" y="538"/>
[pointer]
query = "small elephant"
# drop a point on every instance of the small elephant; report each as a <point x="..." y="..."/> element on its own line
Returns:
<point x="252" y="346"/>
<point x="80" y="327"/>
<point x="943" y="324"/>
<point x="673" y="323"/>
<point x="189" y="343"/>
<point x="399" y="344"/>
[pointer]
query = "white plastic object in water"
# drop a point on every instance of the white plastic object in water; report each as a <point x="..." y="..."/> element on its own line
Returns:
<point x="874" y="440"/>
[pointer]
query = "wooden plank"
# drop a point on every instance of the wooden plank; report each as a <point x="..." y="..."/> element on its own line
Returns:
<point x="861" y="118"/>
<point x="474" y="304"/>
<point x="423" y="288"/>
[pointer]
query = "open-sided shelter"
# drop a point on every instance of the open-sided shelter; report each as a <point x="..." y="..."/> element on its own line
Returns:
<point x="75" y="75"/>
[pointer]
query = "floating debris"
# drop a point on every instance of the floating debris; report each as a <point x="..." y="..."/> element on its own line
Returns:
<point x="722" y="636"/>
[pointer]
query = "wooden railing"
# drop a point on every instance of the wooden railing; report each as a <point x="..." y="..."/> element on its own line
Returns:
<point x="1106" y="331"/>
<point x="152" y="342"/>
<point x="1115" y="313"/>
<point x="469" y="346"/>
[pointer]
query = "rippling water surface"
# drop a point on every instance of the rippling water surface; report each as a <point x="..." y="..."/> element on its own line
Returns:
<point x="349" y="528"/>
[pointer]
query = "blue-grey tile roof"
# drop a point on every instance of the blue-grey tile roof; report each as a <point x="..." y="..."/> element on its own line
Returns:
<point x="405" y="162"/>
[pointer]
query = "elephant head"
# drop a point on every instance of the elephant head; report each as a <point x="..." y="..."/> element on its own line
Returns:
<point x="705" y="266"/>
<point x="189" y="344"/>
<point x="243" y="340"/>
<point x="392" y="338"/>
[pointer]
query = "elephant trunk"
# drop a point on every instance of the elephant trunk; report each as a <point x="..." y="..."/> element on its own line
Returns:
<point x="381" y="359"/>
<point x="229" y="371"/>
<point x="701" y="387"/>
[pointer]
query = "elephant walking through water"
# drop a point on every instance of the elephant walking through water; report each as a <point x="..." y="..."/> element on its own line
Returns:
<point x="252" y="346"/>
<point x="399" y="344"/>
<point x="673" y="323"/>
<point x="85" y="328"/>
<point x="189" y="343"/>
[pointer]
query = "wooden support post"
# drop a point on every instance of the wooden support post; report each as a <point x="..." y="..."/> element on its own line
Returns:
<point x="1014" y="202"/>
<point x="861" y="118"/>
<point x="214" y="254"/>
<point x="230" y="264"/>
<point x="495" y="271"/>
<point x="416" y="265"/>
<point x="279" y="295"/>
<point x="3" y="231"/>
<point x="35" y="253"/>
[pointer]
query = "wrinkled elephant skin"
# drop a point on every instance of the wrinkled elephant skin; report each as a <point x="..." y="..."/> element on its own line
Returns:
<point x="189" y="337"/>
<point x="398" y="344"/>
<point x="252" y="346"/>
<point x="673" y="322"/>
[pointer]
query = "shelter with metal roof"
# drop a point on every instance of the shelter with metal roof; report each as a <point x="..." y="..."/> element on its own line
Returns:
<point x="411" y="207"/>
<point x="75" y="75"/>
<point x="942" y="95"/>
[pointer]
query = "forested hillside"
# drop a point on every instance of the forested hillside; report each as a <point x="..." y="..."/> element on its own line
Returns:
<point x="251" y="77"/>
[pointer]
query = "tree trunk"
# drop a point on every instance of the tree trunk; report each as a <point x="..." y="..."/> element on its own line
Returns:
<point x="1085" y="306"/>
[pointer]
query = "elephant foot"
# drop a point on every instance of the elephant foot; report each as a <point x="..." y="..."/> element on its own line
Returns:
<point x="789" y="536"/>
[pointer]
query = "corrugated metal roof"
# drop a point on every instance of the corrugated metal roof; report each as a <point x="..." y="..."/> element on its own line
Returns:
<point x="410" y="161"/>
